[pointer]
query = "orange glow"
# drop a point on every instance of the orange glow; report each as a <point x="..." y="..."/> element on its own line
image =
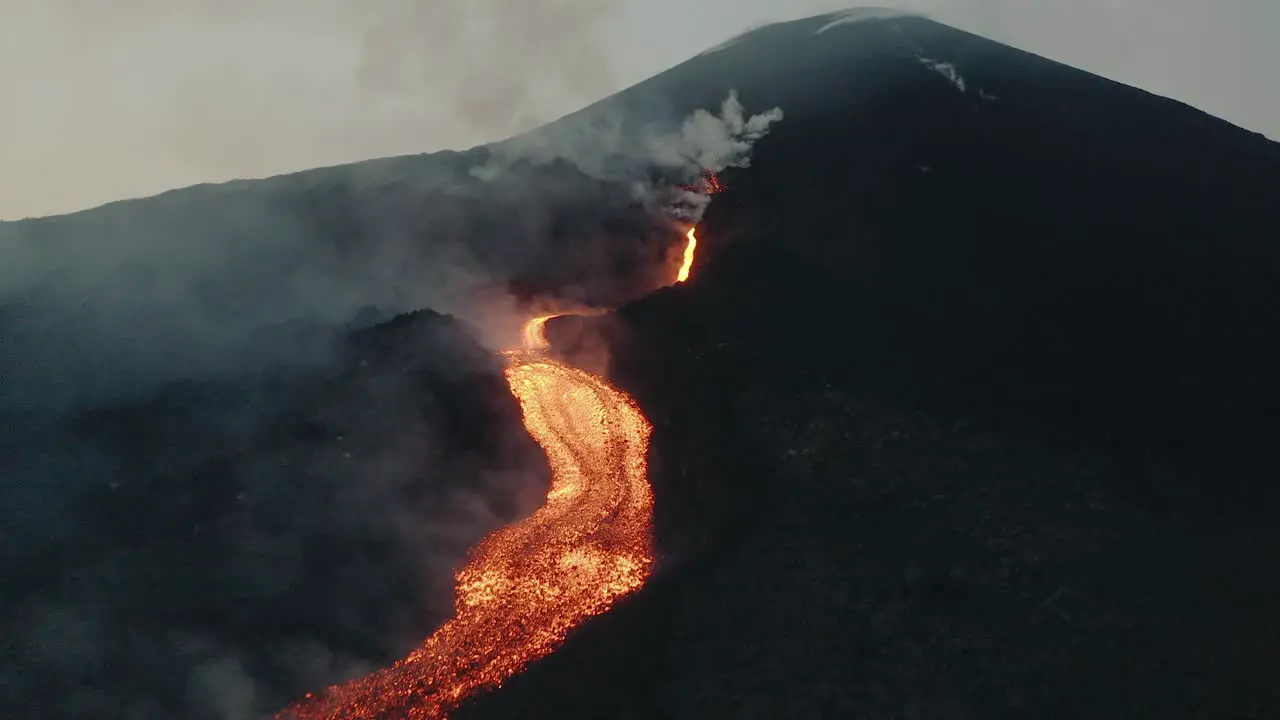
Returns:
<point x="708" y="184"/>
<point x="687" y="265"/>
<point x="525" y="586"/>
<point x="534" y="333"/>
<point x="711" y="183"/>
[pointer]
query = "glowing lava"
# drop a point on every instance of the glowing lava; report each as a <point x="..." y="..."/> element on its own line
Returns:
<point x="534" y="333"/>
<point x="525" y="586"/>
<point x="687" y="265"/>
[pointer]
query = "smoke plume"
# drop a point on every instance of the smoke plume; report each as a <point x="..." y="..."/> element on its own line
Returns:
<point x="710" y="143"/>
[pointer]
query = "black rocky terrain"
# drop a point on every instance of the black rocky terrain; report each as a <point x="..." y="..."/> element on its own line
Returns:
<point x="967" y="411"/>
<point x="220" y="547"/>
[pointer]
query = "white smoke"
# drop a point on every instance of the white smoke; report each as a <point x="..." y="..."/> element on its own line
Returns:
<point x="710" y="142"/>
<point x="600" y="143"/>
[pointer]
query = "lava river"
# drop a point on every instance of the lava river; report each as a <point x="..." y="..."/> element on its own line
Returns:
<point x="525" y="586"/>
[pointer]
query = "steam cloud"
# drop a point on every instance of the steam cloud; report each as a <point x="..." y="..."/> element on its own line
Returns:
<point x="715" y="142"/>
<point x="708" y="142"/>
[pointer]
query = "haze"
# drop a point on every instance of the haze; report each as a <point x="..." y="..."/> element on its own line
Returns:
<point x="134" y="97"/>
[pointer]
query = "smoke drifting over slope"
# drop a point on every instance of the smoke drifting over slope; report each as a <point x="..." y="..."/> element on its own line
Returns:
<point x="220" y="547"/>
<point x="197" y="282"/>
<point x="713" y="143"/>
<point x="229" y="481"/>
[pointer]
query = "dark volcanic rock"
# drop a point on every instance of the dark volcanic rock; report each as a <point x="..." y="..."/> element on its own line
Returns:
<point x="222" y="547"/>
<point x="966" y="411"/>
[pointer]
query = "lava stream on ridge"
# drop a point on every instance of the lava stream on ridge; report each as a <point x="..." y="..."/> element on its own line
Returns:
<point x="687" y="263"/>
<point x="525" y="586"/>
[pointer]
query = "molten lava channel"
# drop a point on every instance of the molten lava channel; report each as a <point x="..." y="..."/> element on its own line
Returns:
<point x="525" y="586"/>
<point x="689" y="248"/>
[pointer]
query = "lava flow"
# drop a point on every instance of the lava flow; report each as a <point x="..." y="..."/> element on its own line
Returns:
<point x="687" y="264"/>
<point x="525" y="586"/>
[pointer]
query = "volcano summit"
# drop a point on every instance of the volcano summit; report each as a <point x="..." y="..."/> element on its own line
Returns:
<point x="967" y="407"/>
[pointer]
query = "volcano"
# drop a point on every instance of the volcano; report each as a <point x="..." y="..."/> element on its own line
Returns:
<point x="966" y="407"/>
<point x="962" y="408"/>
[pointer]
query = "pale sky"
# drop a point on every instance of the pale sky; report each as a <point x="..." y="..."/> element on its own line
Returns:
<point x="110" y="99"/>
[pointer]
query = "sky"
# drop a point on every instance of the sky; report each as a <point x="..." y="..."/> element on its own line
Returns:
<point x="127" y="98"/>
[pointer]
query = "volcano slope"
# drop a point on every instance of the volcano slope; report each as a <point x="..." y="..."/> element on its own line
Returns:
<point x="966" y="410"/>
<point x="201" y="271"/>
<point x="222" y="547"/>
